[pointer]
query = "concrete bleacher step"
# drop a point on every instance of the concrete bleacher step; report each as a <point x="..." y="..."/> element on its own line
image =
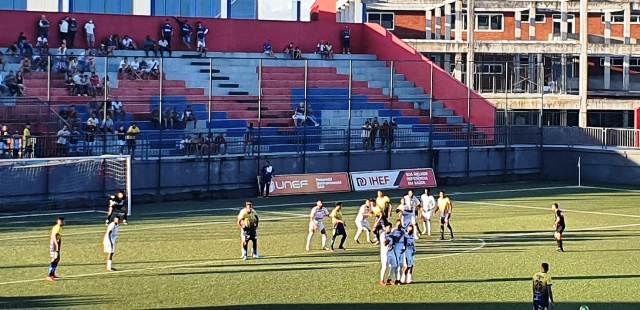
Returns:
<point x="238" y="93"/>
<point x="228" y="85"/>
<point x="219" y="78"/>
<point x="207" y="70"/>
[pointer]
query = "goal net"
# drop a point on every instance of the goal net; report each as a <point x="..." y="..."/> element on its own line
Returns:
<point x="70" y="183"/>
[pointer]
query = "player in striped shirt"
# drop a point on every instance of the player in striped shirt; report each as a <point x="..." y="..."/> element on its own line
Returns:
<point x="109" y="241"/>
<point x="55" y="241"/>
<point x="316" y="224"/>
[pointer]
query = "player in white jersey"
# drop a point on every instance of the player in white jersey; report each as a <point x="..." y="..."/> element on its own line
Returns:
<point x="409" y="252"/>
<point x="428" y="205"/>
<point x="414" y="203"/>
<point x="109" y="241"/>
<point x="362" y="221"/>
<point x="395" y="256"/>
<point x="316" y="223"/>
<point x="406" y="213"/>
<point x="384" y="252"/>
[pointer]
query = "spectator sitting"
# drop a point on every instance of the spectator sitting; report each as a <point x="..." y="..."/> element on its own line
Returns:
<point x="163" y="46"/>
<point x="128" y="43"/>
<point x="42" y="44"/>
<point x="25" y="65"/>
<point x="155" y="117"/>
<point x="188" y="117"/>
<point x="299" y="116"/>
<point x="111" y="44"/>
<point x="297" y="53"/>
<point x="136" y="69"/>
<point x="185" y="145"/>
<point x="93" y="122"/>
<point x="39" y="64"/>
<point x="289" y="49"/>
<point x="80" y="85"/>
<point x="320" y="48"/>
<point x="12" y="50"/>
<point x="12" y="84"/>
<point x="3" y="87"/>
<point x="329" y="50"/>
<point x="108" y="125"/>
<point x="167" y="122"/>
<point x="149" y="46"/>
<point x="105" y="83"/>
<point x="201" y="145"/>
<point x="267" y="49"/>
<point x="20" y="83"/>
<point x="22" y="39"/>
<point x="94" y="85"/>
<point x="28" y="50"/>
<point x="117" y="109"/>
<point x="152" y="69"/>
<point x="3" y="61"/>
<point x="220" y="145"/>
<point x="124" y="67"/>
<point x="62" y="50"/>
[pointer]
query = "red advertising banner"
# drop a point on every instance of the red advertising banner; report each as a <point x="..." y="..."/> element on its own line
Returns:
<point x="393" y="179"/>
<point x="295" y="184"/>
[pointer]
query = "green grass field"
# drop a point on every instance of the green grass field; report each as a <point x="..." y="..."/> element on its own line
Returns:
<point x="187" y="255"/>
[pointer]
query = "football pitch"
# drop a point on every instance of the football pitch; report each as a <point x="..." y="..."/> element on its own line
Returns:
<point x="186" y="254"/>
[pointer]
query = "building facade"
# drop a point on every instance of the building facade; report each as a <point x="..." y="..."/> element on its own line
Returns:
<point x="528" y="56"/>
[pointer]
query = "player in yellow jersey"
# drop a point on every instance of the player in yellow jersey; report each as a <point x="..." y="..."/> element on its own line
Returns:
<point x="445" y="207"/>
<point x="542" y="295"/>
<point x="339" y="227"/>
<point x="55" y="241"/>
<point x="384" y="202"/>
<point x="248" y="223"/>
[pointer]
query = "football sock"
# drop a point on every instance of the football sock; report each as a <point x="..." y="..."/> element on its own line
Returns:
<point x="109" y="264"/>
<point x="333" y="240"/>
<point x="309" y="236"/>
<point x="324" y="241"/>
<point x="244" y="250"/>
<point x="561" y="247"/>
<point x="344" y="237"/>
<point x="255" y="247"/>
<point x="450" y="230"/>
<point x="441" y="231"/>
<point x="50" y="272"/>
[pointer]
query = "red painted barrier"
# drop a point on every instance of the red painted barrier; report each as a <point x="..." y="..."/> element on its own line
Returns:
<point x="225" y="35"/>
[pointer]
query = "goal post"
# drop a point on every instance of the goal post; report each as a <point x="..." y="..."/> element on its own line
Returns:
<point x="64" y="182"/>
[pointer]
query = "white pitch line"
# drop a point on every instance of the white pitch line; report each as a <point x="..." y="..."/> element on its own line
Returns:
<point x="612" y="189"/>
<point x="45" y="214"/>
<point x="156" y="227"/>
<point x="543" y="208"/>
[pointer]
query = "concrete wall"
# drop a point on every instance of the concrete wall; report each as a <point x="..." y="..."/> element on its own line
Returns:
<point x="598" y="166"/>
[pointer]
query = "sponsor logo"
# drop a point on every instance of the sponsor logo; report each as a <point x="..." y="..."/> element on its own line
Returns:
<point x="392" y="179"/>
<point x="309" y="183"/>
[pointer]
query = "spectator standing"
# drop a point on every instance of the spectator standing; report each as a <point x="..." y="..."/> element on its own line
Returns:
<point x="163" y="46"/>
<point x="149" y="46"/>
<point x="393" y="126"/>
<point x="132" y="133"/>
<point x="117" y="110"/>
<point x="121" y="137"/>
<point x="166" y="31"/>
<point x="248" y="140"/>
<point x="375" y="127"/>
<point x="366" y="135"/>
<point x="27" y="142"/>
<point x="90" y="32"/>
<point x="22" y="41"/>
<point x="73" y="29"/>
<point x="16" y="145"/>
<point x="346" y="40"/>
<point x="91" y="129"/>
<point x="42" y="45"/>
<point x="5" y="136"/>
<point x="63" y="136"/>
<point x="266" y="174"/>
<point x="297" y="53"/>
<point x="201" y="36"/>
<point x="189" y="117"/>
<point x="384" y="134"/>
<point x="63" y="29"/>
<point x="43" y="27"/>
<point x="186" y="31"/>
<point x="220" y="145"/>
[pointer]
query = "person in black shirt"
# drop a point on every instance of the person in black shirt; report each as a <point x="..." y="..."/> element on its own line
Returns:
<point x="166" y="31"/>
<point x="346" y="40"/>
<point x="71" y="35"/>
<point x="117" y="208"/>
<point x="43" y="27"/>
<point x="186" y="31"/>
<point x="559" y="226"/>
<point x="375" y="126"/>
<point x="266" y="174"/>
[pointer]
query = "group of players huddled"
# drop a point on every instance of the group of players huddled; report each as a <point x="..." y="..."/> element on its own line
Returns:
<point x="397" y="239"/>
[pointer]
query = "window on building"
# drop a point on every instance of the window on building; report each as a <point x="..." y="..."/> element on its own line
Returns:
<point x="384" y="19"/>
<point x="490" y="68"/>
<point x="540" y="18"/>
<point x="13" y="4"/>
<point x="619" y="19"/>
<point x="102" y="6"/>
<point x="244" y="9"/>
<point x="489" y="22"/>
<point x="201" y="8"/>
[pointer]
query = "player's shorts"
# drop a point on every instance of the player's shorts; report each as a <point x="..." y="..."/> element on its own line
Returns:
<point x="248" y="234"/>
<point x="445" y="218"/>
<point x="540" y="305"/>
<point x="393" y="259"/>
<point x="201" y="44"/>
<point x="363" y="224"/>
<point x="53" y="253"/>
<point x="338" y="229"/>
<point x="560" y="229"/>
<point x="108" y="247"/>
<point x="427" y="214"/>
<point x="319" y="225"/>
<point x="409" y="258"/>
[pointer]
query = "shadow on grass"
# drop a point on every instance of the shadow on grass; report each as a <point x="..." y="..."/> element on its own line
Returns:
<point x="430" y="306"/>
<point x="60" y="301"/>
<point x="527" y="279"/>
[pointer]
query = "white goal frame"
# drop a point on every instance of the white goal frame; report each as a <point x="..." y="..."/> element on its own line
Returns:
<point x="43" y="162"/>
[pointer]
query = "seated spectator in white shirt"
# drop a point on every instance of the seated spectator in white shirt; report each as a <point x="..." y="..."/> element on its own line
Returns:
<point x="128" y="43"/>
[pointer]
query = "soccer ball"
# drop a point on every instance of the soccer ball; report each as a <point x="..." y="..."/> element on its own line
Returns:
<point x="584" y="307"/>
